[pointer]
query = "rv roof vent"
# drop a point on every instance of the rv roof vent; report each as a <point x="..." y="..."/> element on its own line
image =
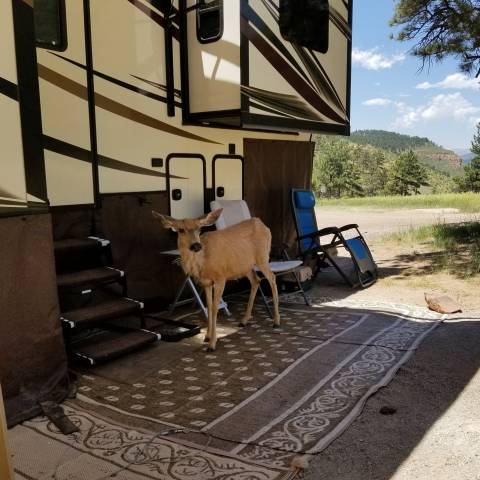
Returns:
<point x="209" y="20"/>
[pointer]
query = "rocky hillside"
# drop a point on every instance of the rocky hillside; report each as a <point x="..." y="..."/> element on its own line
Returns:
<point x="429" y="153"/>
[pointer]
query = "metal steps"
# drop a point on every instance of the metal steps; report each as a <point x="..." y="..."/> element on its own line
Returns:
<point x="93" y="307"/>
<point x="69" y="245"/>
<point x="93" y="315"/>
<point x="88" y="279"/>
<point x="107" y="345"/>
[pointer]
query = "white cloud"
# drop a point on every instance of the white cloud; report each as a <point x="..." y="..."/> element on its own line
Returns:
<point x="372" y="60"/>
<point x="377" y="102"/>
<point x="458" y="81"/>
<point x="452" y="106"/>
<point x="474" y="121"/>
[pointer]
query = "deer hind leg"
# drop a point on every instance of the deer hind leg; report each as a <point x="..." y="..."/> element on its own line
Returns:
<point x="209" y="298"/>
<point x="270" y="276"/>
<point x="254" y="283"/>
<point x="217" y="296"/>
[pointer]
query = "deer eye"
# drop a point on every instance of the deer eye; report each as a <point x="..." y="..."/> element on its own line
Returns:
<point x="181" y="230"/>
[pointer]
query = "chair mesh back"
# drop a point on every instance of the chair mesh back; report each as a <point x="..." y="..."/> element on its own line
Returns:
<point x="234" y="211"/>
<point x="304" y="206"/>
<point x="359" y="250"/>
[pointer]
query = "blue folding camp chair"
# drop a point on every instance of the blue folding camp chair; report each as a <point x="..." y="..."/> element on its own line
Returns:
<point x="318" y="244"/>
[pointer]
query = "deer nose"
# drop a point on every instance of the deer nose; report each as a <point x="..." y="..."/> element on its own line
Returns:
<point x="195" y="247"/>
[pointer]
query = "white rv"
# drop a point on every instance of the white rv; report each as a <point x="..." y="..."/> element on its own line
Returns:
<point x="112" y="108"/>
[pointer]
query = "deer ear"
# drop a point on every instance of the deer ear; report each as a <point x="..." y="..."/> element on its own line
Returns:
<point x="167" y="222"/>
<point x="211" y="217"/>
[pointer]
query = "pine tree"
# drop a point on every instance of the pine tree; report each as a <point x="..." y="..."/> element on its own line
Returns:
<point x="470" y="181"/>
<point x="406" y="175"/>
<point x="441" y="28"/>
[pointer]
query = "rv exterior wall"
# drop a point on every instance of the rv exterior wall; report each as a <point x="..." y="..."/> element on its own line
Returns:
<point x="12" y="171"/>
<point x="292" y="86"/>
<point x="65" y="121"/>
<point x="214" y="68"/>
<point x="129" y="93"/>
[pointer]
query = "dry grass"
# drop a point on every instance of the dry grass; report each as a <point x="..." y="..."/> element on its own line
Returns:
<point x="464" y="202"/>
<point x="450" y="248"/>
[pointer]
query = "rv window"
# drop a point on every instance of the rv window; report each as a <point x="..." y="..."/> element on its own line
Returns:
<point x="305" y="22"/>
<point x="209" y="20"/>
<point x="50" y="24"/>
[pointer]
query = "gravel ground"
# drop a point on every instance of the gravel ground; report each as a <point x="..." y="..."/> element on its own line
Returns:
<point x="435" y="431"/>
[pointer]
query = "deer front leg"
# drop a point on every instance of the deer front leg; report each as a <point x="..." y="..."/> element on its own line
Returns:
<point x="254" y="282"/>
<point x="217" y="295"/>
<point x="208" y="295"/>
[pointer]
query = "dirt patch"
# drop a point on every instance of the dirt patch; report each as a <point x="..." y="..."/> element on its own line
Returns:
<point x="407" y="270"/>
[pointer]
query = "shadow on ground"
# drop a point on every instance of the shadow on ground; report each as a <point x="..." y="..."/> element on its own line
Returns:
<point x="376" y="445"/>
<point x="416" y="264"/>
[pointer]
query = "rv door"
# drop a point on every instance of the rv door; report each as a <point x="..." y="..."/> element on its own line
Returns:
<point x="186" y="182"/>
<point x="227" y="177"/>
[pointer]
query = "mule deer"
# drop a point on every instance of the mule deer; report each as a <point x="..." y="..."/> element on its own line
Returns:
<point x="218" y="256"/>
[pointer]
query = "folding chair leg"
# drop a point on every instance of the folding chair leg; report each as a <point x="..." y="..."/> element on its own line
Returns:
<point x="339" y="270"/>
<point x="301" y="289"/>
<point x="177" y="296"/>
<point x="265" y="300"/>
<point x="197" y="296"/>
<point x="224" y="305"/>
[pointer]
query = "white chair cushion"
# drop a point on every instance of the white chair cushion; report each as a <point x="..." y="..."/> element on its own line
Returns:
<point x="285" y="266"/>
<point x="234" y="211"/>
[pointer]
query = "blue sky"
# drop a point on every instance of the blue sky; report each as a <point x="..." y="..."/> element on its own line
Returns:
<point x="390" y="93"/>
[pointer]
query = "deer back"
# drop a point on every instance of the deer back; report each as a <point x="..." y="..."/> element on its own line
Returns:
<point x="231" y="253"/>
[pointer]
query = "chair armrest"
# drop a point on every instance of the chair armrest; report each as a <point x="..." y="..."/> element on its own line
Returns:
<point x="320" y="233"/>
<point x="350" y="226"/>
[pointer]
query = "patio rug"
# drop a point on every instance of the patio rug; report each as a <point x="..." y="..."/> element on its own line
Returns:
<point x="262" y="398"/>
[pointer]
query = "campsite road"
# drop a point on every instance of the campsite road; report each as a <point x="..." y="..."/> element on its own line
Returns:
<point x="374" y="223"/>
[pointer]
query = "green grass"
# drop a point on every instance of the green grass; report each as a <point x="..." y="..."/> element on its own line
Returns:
<point x="457" y="246"/>
<point x="464" y="202"/>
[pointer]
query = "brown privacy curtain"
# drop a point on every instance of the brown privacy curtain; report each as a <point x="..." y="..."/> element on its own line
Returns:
<point x="33" y="364"/>
<point x="272" y="168"/>
<point x="137" y="240"/>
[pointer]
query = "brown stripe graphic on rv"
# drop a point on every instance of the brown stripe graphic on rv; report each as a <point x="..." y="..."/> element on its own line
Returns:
<point x="289" y="105"/>
<point x="13" y="202"/>
<point x="288" y="73"/>
<point x="178" y="92"/>
<point x="322" y="83"/>
<point x="8" y="89"/>
<point x="337" y="19"/>
<point x="10" y="196"/>
<point x="166" y="7"/>
<point x="320" y="79"/>
<point x="69" y="150"/>
<point x="260" y="25"/>
<point x="269" y="110"/>
<point x="120" y="83"/>
<point x="158" y="19"/>
<point x="114" y="107"/>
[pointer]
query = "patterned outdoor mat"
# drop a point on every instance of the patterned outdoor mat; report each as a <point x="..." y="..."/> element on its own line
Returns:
<point x="266" y="395"/>
<point x="105" y="450"/>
